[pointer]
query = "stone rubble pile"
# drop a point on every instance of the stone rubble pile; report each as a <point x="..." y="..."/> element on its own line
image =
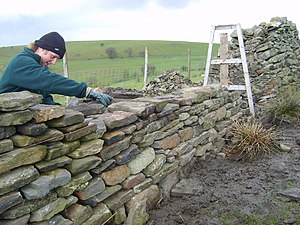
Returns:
<point x="167" y="82"/>
<point x="91" y="165"/>
<point x="121" y="93"/>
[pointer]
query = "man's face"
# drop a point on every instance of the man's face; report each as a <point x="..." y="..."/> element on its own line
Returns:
<point x="48" y="58"/>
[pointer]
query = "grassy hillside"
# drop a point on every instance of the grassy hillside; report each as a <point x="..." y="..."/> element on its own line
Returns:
<point x="89" y="62"/>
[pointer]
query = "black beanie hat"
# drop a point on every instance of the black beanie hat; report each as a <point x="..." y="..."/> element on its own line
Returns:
<point x="52" y="42"/>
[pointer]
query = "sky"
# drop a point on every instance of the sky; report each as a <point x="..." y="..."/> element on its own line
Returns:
<point x="22" y="22"/>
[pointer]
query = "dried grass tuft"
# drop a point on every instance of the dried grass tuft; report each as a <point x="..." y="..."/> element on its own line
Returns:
<point x="286" y="107"/>
<point x="250" y="139"/>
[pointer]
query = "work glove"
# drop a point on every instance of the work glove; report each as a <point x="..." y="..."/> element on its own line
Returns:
<point x="104" y="99"/>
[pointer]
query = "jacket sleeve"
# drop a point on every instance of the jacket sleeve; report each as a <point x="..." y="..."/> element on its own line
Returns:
<point x="28" y="74"/>
<point x="48" y="99"/>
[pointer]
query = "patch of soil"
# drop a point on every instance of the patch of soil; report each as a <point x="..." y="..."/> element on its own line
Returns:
<point x="235" y="192"/>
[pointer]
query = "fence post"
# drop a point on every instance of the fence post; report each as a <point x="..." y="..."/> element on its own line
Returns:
<point x="146" y="66"/>
<point x="189" y="63"/>
<point x="223" y="56"/>
<point x="66" y="73"/>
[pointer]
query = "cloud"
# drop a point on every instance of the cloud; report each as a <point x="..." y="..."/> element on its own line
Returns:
<point x="117" y="4"/>
<point x="136" y="4"/>
<point x="17" y="30"/>
<point x="190" y="20"/>
<point x="171" y="4"/>
<point x="24" y="29"/>
<point x="15" y="8"/>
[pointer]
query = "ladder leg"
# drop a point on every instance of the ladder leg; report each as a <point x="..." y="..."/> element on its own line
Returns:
<point x="247" y="85"/>
<point x="209" y="53"/>
<point x="245" y="69"/>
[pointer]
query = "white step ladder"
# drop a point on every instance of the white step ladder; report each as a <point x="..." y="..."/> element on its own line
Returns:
<point x="225" y="61"/>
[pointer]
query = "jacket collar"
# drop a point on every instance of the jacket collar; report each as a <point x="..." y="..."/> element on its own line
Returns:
<point x="32" y="54"/>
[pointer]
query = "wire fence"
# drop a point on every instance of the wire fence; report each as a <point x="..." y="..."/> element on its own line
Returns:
<point x="133" y="77"/>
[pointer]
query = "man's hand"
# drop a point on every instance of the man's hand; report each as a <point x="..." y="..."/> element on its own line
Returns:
<point x="104" y="99"/>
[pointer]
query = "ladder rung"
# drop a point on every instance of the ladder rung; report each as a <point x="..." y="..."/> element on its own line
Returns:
<point x="236" y="87"/>
<point x="226" y="61"/>
<point x="224" y="74"/>
<point x="225" y="27"/>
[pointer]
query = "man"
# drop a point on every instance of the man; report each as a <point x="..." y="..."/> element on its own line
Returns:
<point x="28" y="70"/>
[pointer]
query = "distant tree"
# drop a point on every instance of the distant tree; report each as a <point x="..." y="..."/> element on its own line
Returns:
<point x="150" y="69"/>
<point x="184" y="68"/>
<point x="102" y="44"/>
<point x="111" y="52"/>
<point x="142" y="53"/>
<point x="129" y="52"/>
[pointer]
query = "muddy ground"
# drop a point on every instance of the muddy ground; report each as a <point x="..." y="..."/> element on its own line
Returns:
<point x="235" y="192"/>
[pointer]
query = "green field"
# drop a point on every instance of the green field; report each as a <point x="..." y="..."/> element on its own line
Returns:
<point x="89" y="62"/>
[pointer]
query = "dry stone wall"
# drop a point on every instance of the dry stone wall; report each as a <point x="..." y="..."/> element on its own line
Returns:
<point x="94" y="165"/>
<point x="273" y="57"/>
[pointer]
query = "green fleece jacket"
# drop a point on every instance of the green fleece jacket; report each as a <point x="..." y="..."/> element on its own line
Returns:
<point x="24" y="72"/>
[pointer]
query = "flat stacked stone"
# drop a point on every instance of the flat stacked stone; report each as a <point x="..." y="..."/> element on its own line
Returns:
<point x="68" y="167"/>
